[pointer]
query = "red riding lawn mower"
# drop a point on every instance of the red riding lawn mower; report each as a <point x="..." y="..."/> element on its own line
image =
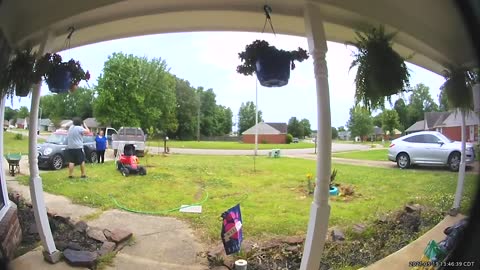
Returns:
<point x="127" y="162"/>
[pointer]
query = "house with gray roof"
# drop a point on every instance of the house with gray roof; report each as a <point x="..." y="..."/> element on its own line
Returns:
<point x="267" y="133"/>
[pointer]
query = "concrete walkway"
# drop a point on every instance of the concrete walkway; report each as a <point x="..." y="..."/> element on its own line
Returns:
<point x="161" y="243"/>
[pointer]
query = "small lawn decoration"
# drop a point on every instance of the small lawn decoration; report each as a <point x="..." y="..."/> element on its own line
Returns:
<point x="232" y="234"/>
<point x="381" y="72"/>
<point x="333" y="188"/>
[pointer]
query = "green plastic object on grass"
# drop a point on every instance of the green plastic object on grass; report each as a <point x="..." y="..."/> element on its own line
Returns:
<point x="434" y="252"/>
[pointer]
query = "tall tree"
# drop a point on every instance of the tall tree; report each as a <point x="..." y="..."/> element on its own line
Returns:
<point x="295" y="127"/>
<point x="10" y="113"/>
<point x="443" y="102"/>
<point x="307" y="129"/>
<point x="360" y="122"/>
<point x="208" y="112"/>
<point x="135" y="91"/>
<point x="187" y="110"/>
<point x="23" y="112"/>
<point x="334" y="133"/>
<point x="420" y="102"/>
<point x="390" y="121"/>
<point x="402" y="112"/>
<point x="246" y="116"/>
<point x="341" y="128"/>
<point x="224" y="120"/>
<point x="377" y="119"/>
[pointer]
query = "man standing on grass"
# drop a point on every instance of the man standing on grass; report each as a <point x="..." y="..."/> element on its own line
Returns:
<point x="75" y="154"/>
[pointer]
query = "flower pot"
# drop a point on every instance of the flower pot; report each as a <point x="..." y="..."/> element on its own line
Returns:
<point x="333" y="191"/>
<point x="22" y="89"/>
<point x="273" y="68"/>
<point x="60" y="81"/>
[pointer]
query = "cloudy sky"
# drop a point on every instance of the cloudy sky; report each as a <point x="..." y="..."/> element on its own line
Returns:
<point x="209" y="59"/>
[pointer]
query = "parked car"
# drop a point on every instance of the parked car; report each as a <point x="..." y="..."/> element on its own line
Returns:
<point x="428" y="148"/>
<point x="127" y="135"/>
<point x="295" y="140"/>
<point x="51" y="154"/>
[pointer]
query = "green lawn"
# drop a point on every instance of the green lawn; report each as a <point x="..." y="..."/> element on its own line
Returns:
<point x="229" y="145"/>
<point x="273" y="199"/>
<point x="376" y="154"/>
<point x="13" y="145"/>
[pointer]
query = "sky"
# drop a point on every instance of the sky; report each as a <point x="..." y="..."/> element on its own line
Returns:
<point x="209" y="59"/>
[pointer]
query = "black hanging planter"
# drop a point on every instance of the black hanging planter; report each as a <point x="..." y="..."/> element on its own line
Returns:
<point x="22" y="89"/>
<point x="273" y="68"/>
<point x="60" y="81"/>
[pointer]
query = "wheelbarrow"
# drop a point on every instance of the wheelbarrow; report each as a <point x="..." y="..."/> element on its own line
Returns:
<point x="13" y="163"/>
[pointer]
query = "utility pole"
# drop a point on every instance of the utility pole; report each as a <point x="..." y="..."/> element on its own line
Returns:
<point x="198" y="116"/>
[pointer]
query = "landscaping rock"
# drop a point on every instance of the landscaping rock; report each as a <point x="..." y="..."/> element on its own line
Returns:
<point x="293" y="240"/>
<point x="119" y="235"/>
<point x="220" y="268"/>
<point x="292" y="248"/>
<point x="63" y="218"/>
<point x="359" y="228"/>
<point x="410" y="208"/>
<point x="74" y="246"/>
<point x="96" y="234"/>
<point x="107" y="247"/>
<point x="33" y="229"/>
<point x="216" y="252"/>
<point x="61" y="245"/>
<point x="337" y="235"/>
<point x="80" y="258"/>
<point x="81" y="226"/>
<point x="107" y="233"/>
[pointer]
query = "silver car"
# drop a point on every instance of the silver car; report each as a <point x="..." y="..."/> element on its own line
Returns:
<point x="428" y="148"/>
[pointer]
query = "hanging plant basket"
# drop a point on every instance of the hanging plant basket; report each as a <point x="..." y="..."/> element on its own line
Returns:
<point x="458" y="88"/>
<point x="381" y="72"/>
<point x="272" y="66"/>
<point x="19" y="76"/>
<point x="60" y="76"/>
<point x="60" y="80"/>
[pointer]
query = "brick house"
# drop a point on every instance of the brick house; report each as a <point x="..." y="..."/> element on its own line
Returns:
<point x="267" y="133"/>
<point x="449" y="124"/>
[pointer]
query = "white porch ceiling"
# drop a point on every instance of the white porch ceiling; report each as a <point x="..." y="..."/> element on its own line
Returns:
<point x="430" y="30"/>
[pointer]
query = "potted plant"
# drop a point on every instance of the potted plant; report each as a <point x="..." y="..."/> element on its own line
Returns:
<point x="61" y="76"/>
<point x="381" y="72"/>
<point x="458" y="87"/>
<point x="20" y="75"/>
<point x="333" y="188"/>
<point x="271" y="65"/>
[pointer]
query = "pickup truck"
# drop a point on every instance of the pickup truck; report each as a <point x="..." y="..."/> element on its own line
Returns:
<point x="126" y="135"/>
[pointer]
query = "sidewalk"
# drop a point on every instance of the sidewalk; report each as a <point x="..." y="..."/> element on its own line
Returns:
<point x="162" y="243"/>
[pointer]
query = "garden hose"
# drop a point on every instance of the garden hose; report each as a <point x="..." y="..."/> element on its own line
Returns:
<point x="157" y="212"/>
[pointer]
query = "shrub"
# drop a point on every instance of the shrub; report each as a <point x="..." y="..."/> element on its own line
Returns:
<point x="264" y="141"/>
<point x="18" y="136"/>
<point x="289" y="138"/>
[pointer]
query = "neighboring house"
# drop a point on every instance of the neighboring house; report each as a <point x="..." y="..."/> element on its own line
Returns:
<point x="44" y="124"/>
<point x="65" y="124"/>
<point x="22" y="123"/>
<point x="449" y="124"/>
<point x="267" y="133"/>
<point x="93" y="125"/>
<point x="6" y="124"/>
<point x="344" y="135"/>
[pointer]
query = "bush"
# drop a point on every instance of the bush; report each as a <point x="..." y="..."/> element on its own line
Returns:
<point x="264" y="141"/>
<point x="18" y="136"/>
<point x="289" y="138"/>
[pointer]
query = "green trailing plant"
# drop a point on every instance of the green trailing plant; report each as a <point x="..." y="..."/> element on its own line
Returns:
<point x="20" y="75"/>
<point x="458" y="87"/>
<point x="254" y="50"/>
<point x="332" y="178"/>
<point x="381" y="72"/>
<point x="51" y="62"/>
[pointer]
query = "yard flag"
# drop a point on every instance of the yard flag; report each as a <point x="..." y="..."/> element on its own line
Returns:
<point x="232" y="235"/>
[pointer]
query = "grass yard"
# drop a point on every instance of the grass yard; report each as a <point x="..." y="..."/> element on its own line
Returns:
<point x="376" y="154"/>
<point x="14" y="145"/>
<point x="273" y="200"/>
<point x="229" y="145"/>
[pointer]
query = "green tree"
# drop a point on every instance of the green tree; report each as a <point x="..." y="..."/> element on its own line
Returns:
<point x="402" y="112"/>
<point x="390" y="121"/>
<point x="443" y="102"/>
<point x="307" y="129"/>
<point x="225" y="120"/>
<point x="187" y="110"/>
<point x="341" y="128"/>
<point x="10" y="113"/>
<point x="377" y="119"/>
<point x="334" y="133"/>
<point x="420" y="102"/>
<point x="208" y="112"/>
<point x="246" y="116"/>
<point x="360" y="122"/>
<point x="23" y="112"/>
<point x="295" y="127"/>
<point x="135" y="91"/>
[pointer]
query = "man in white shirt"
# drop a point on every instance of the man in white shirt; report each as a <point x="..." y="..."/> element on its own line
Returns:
<point x="75" y="153"/>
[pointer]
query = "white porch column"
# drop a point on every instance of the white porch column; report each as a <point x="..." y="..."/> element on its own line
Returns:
<point x="50" y="252"/>
<point x="320" y="209"/>
<point x="3" y="179"/>
<point x="461" y="171"/>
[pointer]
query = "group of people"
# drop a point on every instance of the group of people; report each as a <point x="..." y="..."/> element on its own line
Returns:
<point x="75" y="153"/>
